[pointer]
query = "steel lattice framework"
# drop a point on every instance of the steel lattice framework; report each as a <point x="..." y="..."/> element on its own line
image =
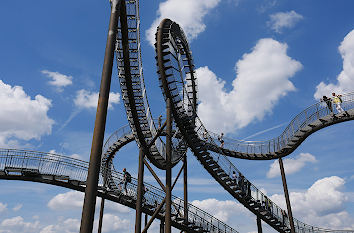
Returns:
<point x="175" y="70"/>
<point x="71" y="173"/>
<point x="173" y="60"/>
<point x="176" y="75"/>
<point x="133" y="89"/>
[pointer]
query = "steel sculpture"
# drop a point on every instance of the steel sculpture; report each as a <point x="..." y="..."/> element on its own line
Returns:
<point x="315" y="118"/>
<point x="133" y="90"/>
<point x="178" y="84"/>
<point x="174" y="63"/>
<point x="71" y="173"/>
<point x="175" y="69"/>
<point x="303" y="125"/>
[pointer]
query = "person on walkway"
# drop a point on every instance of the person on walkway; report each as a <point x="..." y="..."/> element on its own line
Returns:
<point x="205" y="135"/>
<point x="270" y="206"/>
<point x="337" y="100"/>
<point x="234" y="177"/>
<point x="241" y="184"/>
<point x="328" y="102"/>
<point x="249" y="189"/>
<point x="285" y="216"/>
<point x="221" y="140"/>
<point x="159" y="121"/>
<point x="267" y="204"/>
<point x="126" y="178"/>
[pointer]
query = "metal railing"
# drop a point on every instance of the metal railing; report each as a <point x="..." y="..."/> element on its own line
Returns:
<point x="306" y="117"/>
<point x="145" y="121"/>
<point x="309" y="115"/>
<point x="44" y="163"/>
<point x="251" y="191"/>
<point x="199" y="138"/>
<point x="125" y="133"/>
<point x="303" y="119"/>
<point x="33" y="163"/>
<point x="122" y="132"/>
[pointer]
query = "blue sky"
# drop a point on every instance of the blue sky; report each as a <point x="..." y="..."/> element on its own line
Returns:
<point x="259" y="63"/>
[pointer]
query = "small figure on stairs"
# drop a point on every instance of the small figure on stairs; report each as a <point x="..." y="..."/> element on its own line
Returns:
<point x="221" y="140"/>
<point x="337" y="100"/>
<point x="329" y="103"/>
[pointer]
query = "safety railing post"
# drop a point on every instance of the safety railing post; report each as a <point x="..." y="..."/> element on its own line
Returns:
<point x="317" y="112"/>
<point x="269" y="147"/>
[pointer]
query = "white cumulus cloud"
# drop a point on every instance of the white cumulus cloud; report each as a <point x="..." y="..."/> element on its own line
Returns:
<point x="89" y="100"/>
<point x="69" y="225"/>
<point x="74" y="200"/>
<point x="222" y="210"/>
<point x="21" y="116"/>
<point x="113" y="206"/>
<point x="188" y="14"/>
<point x="345" y="80"/>
<point x="281" y="20"/>
<point x="323" y="204"/>
<point x="291" y="165"/>
<point x="113" y="223"/>
<point x="57" y="79"/>
<point x="67" y="201"/>
<point x="262" y="79"/>
<point x="18" y="224"/>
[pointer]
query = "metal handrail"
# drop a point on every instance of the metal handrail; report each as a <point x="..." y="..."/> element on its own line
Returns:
<point x="199" y="138"/>
<point x="74" y="169"/>
<point x="146" y="120"/>
<point x="275" y="145"/>
<point x="115" y="136"/>
<point x="255" y="194"/>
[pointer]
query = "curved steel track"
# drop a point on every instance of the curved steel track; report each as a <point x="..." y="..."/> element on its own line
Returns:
<point x="172" y="59"/>
<point x="130" y="73"/>
<point x="307" y="122"/>
<point x="71" y="173"/>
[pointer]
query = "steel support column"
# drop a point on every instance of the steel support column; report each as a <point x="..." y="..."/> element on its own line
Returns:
<point x="286" y="194"/>
<point x="168" y="166"/>
<point x="88" y="210"/>
<point x="100" y="220"/>
<point x="140" y="193"/>
<point x="259" y="224"/>
<point x="185" y="188"/>
<point x="146" y="220"/>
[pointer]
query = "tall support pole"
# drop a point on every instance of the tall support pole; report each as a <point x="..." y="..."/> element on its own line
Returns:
<point x="139" y="200"/>
<point x="100" y="221"/>
<point x="259" y="224"/>
<point x="185" y="188"/>
<point x="286" y="193"/>
<point x="168" y="166"/>
<point x="88" y="210"/>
